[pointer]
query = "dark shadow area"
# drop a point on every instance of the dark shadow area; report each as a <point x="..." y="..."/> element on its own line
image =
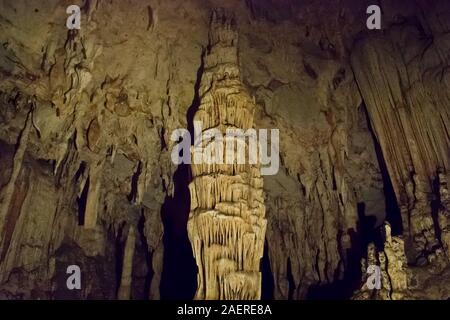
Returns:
<point x="134" y="183"/>
<point x="179" y="275"/>
<point x="142" y="260"/>
<point x="436" y="206"/>
<point x="119" y="246"/>
<point x="393" y="215"/>
<point x="367" y="228"/>
<point x="366" y="232"/>
<point x="82" y="201"/>
<point x="343" y="289"/>
<point x="340" y="289"/>
<point x="196" y="100"/>
<point x="267" y="285"/>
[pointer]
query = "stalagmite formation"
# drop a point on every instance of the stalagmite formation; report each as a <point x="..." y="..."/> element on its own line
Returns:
<point x="395" y="259"/>
<point x="444" y="210"/>
<point x="391" y="260"/>
<point x="127" y="266"/>
<point x="226" y="224"/>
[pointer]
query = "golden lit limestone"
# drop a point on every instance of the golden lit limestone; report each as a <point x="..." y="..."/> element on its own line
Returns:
<point x="395" y="260"/>
<point x="93" y="198"/>
<point x="393" y="274"/>
<point x="124" y="292"/>
<point x="226" y="224"/>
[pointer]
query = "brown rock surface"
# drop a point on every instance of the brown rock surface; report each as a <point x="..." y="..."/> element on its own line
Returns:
<point x="86" y="175"/>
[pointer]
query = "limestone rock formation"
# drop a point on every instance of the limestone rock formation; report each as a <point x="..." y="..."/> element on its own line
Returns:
<point x="86" y="177"/>
<point x="394" y="273"/>
<point x="227" y="222"/>
<point x="411" y="122"/>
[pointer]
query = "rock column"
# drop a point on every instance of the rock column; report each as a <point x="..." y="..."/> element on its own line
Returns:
<point x="226" y="224"/>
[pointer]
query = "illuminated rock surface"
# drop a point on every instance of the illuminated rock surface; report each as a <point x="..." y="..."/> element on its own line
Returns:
<point x="226" y="224"/>
<point x="85" y="151"/>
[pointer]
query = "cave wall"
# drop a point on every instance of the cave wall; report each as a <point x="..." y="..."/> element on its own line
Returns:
<point x="410" y="122"/>
<point x="86" y="118"/>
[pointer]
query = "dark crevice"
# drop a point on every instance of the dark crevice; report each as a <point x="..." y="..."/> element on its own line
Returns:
<point x="393" y="215"/>
<point x="309" y="70"/>
<point x="162" y="140"/>
<point x="333" y="176"/>
<point x="119" y="252"/>
<point x="179" y="275"/>
<point x="196" y="100"/>
<point x="134" y="183"/>
<point x="436" y="207"/>
<point x="367" y="228"/>
<point x="290" y="279"/>
<point x="267" y="285"/>
<point x="147" y="257"/>
<point x="366" y="232"/>
<point x="81" y="201"/>
<point x="178" y="280"/>
<point x="343" y="289"/>
<point x="80" y="170"/>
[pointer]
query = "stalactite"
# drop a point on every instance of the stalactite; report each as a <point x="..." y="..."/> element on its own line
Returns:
<point x="411" y="124"/>
<point x="8" y="191"/>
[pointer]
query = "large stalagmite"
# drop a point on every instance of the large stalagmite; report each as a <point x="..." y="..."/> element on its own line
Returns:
<point x="226" y="224"/>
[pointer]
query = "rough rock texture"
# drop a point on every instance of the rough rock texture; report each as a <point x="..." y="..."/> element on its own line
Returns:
<point x="405" y="88"/>
<point x="403" y="79"/>
<point x="85" y="124"/>
<point x="393" y="267"/>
